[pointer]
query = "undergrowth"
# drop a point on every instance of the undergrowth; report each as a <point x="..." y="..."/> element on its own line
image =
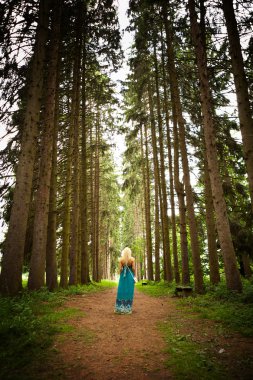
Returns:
<point x="29" y="322"/>
<point x="234" y="311"/>
<point x="156" y="289"/>
<point x="189" y="360"/>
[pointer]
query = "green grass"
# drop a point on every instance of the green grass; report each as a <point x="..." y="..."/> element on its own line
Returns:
<point x="190" y="360"/>
<point x="30" y="321"/>
<point x="232" y="310"/>
<point x="156" y="289"/>
<point x="187" y="359"/>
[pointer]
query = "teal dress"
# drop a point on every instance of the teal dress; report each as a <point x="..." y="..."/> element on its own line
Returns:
<point x="125" y="293"/>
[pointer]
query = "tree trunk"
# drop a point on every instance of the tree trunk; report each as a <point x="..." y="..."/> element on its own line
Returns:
<point x="172" y="199"/>
<point x="12" y="262"/>
<point x="181" y="205"/>
<point x="38" y="259"/>
<point x="164" y="209"/>
<point x="51" y="263"/>
<point x="211" y="230"/>
<point x="96" y="203"/>
<point x="97" y="190"/>
<point x="198" y="274"/>
<point x="246" y="265"/>
<point x="66" y="213"/>
<point x="242" y="90"/>
<point x="231" y="271"/>
<point x="157" y="191"/>
<point x="210" y="217"/>
<point x="146" y="183"/>
<point x="84" y="188"/>
<point x="92" y="208"/>
<point x="75" y="110"/>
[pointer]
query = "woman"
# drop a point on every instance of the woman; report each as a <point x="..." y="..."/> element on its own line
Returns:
<point x="125" y="292"/>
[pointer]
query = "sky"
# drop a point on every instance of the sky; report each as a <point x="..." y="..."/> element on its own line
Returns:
<point x="121" y="74"/>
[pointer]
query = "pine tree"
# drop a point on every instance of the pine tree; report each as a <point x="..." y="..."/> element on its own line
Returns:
<point x="11" y="274"/>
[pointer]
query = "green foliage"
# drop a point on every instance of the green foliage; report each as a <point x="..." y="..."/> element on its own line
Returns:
<point x="30" y="321"/>
<point x="188" y="360"/>
<point x="156" y="289"/>
<point x="233" y="310"/>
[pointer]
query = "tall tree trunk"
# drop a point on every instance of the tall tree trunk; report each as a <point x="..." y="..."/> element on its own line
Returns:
<point x="172" y="199"/>
<point x="84" y="188"/>
<point x="242" y="90"/>
<point x="210" y="226"/>
<point x="210" y="217"/>
<point x="181" y="205"/>
<point x="146" y="183"/>
<point x="84" y="205"/>
<point x="231" y="271"/>
<point x="75" y="111"/>
<point x="92" y="207"/>
<point x="96" y="202"/>
<point x="246" y="265"/>
<point x="157" y="190"/>
<point x="198" y="274"/>
<point x="38" y="259"/>
<point x="66" y="212"/>
<point x="164" y="210"/>
<point x="51" y="264"/>
<point x="11" y="273"/>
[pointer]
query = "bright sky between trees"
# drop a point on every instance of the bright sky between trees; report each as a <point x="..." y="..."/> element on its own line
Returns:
<point x="121" y="74"/>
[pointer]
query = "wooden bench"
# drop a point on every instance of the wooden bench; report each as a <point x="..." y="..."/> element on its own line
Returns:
<point x="184" y="291"/>
<point x="144" y="282"/>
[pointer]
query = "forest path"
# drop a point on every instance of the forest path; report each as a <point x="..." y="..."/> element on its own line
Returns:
<point x="105" y="346"/>
<point x="112" y="346"/>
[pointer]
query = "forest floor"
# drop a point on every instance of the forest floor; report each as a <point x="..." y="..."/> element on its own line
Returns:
<point x="101" y="345"/>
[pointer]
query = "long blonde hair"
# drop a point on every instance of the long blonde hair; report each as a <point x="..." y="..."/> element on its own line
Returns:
<point x="126" y="255"/>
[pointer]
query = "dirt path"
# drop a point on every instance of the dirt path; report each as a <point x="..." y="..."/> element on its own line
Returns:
<point x="121" y="346"/>
<point x="106" y="346"/>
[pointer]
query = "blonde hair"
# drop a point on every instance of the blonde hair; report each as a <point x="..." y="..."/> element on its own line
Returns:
<point x="126" y="255"/>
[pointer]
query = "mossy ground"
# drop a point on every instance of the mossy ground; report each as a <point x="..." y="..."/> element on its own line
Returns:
<point x="194" y="352"/>
<point x="30" y="322"/>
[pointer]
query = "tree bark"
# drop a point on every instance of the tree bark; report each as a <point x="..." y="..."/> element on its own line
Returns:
<point x="246" y="265"/>
<point x="146" y="182"/>
<point x="179" y="187"/>
<point x="171" y="176"/>
<point x="242" y="90"/>
<point x="51" y="262"/>
<point x="92" y="208"/>
<point x="210" y="226"/>
<point x="12" y="262"/>
<point x="96" y="275"/>
<point x="164" y="209"/>
<point x="84" y="188"/>
<point x="66" y="212"/>
<point x="231" y="271"/>
<point x="157" y="189"/>
<point x="210" y="216"/>
<point x="38" y="259"/>
<point x="75" y="117"/>
<point x="198" y="274"/>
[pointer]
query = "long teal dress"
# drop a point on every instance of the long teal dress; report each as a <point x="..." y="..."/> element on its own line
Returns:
<point x="125" y="293"/>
